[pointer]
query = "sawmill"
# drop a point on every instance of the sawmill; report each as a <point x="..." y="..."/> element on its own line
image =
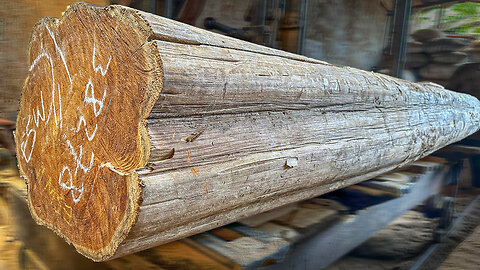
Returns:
<point x="221" y="134"/>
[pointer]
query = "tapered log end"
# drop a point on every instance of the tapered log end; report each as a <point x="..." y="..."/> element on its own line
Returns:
<point x="80" y="129"/>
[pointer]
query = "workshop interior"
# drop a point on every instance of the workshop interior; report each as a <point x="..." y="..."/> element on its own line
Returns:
<point x="255" y="134"/>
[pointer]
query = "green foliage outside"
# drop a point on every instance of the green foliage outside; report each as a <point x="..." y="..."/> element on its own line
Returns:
<point x="460" y="18"/>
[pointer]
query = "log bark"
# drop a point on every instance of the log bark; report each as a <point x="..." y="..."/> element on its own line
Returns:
<point x="135" y="130"/>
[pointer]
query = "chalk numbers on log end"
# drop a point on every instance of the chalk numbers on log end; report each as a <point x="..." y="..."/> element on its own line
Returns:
<point x="51" y="114"/>
<point x="78" y="132"/>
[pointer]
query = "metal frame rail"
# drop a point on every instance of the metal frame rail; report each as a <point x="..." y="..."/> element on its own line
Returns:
<point x="328" y="245"/>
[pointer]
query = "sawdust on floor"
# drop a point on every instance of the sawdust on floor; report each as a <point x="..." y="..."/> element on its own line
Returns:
<point x="466" y="255"/>
<point x="9" y="248"/>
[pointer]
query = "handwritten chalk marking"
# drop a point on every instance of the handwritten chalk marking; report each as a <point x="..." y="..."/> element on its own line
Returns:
<point x="67" y="209"/>
<point x="90" y="98"/>
<point x="34" y="63"/>
<point x="36" y="116"/>
<point x="97" y="68"/>
<point x="23" y="144"/>
<point x="78" y="158"/>
<point x="52" y="104"/>
<point x="49" y="58"/>
<point x="36" y="120"/>
<point x="70" y="187"/>
<point x="60" y="106"/>
<point x="82" y="120"/>
<point x="39" y="116"/>
<point x="70" y="212"/>
<point x="60" y="53"/>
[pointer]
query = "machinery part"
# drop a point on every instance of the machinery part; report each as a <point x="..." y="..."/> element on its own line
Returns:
<point x="447" y="213"/>
<point x="211" y="24"/>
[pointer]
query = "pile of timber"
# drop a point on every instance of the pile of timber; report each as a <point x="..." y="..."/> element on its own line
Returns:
<point x="135" y="130"/>
<point x="433" y="56"/>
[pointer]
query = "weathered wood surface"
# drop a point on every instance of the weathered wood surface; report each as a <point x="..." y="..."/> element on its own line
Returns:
<point x="135" y="130"/>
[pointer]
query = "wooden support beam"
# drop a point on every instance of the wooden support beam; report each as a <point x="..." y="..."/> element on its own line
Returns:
<point x="135" y="130"/>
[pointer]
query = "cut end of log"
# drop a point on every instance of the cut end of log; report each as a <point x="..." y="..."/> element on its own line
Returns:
<point x="81" y="133"/>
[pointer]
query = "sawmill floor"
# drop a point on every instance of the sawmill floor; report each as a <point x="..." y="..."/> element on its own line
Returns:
<point x="398" y="246"/>
<point x="9" y="249"/>
<point x="403" y="243"/>
<point x="463" y="257"/>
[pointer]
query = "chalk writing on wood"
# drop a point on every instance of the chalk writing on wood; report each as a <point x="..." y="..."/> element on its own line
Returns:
<point x="51" y="113"/>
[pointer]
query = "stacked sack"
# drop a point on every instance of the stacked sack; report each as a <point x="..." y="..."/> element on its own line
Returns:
<point x="466" y="78"/>
<point x="434" y="56"/>
<point x="474" y="52"/>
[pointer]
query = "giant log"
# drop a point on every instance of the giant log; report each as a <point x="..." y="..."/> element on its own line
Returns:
<point x="135" y="130"/>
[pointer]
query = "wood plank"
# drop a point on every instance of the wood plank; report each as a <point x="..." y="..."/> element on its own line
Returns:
<point x="186" y="254"/>
<point x="261" y="218"/>
<point x="309" y="214"/>
<point x="396" y="188"/>
<point x="399" y="177"/>
<point x="422" y="167"/>
<point x="279" y="231"/>
<point x="253" y="250"/>
<point x="370" y="190"/>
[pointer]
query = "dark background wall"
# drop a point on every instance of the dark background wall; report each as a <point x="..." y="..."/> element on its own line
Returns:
<point x="345" y="32"/>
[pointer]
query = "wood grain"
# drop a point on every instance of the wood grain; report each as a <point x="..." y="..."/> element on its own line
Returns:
<point x="168" y="130"/>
